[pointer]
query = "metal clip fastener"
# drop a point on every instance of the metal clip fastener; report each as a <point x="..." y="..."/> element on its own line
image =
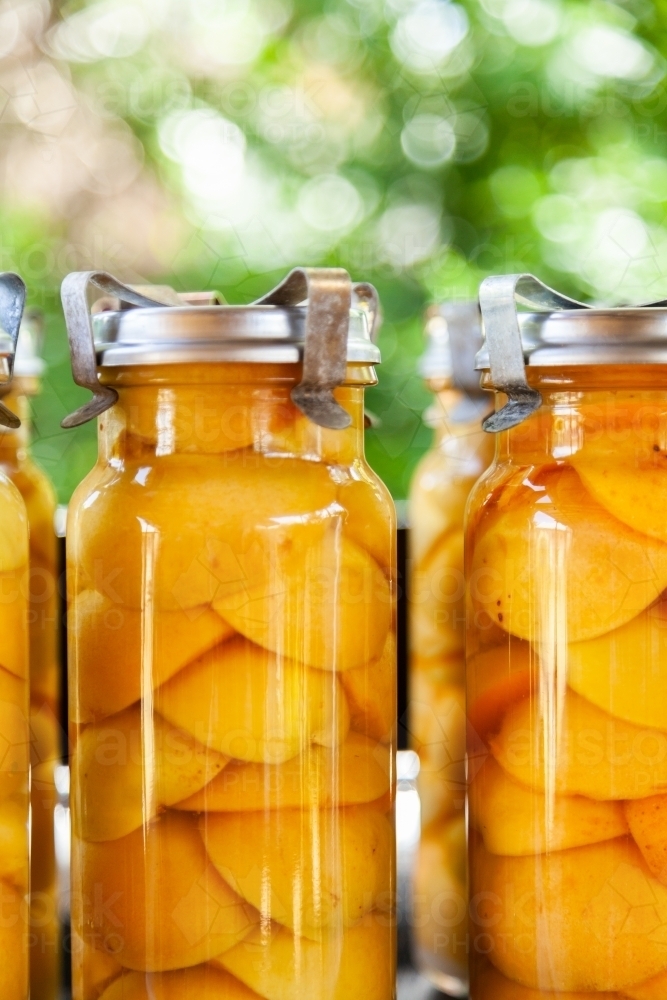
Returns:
<point x="327" y="294"/>
<point x="74" y="294"/>
<point x="498" y="300"/>
<point x="327" y="291"/>
<point x="12" y="304"/>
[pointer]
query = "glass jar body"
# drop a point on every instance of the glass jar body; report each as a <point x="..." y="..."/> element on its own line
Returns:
<point x="461" y="451"/>
<point x="231" y="594"/>
<point x="15" y="740"/>
<point x="42" y="593"/>
<point x="567" y="700"/>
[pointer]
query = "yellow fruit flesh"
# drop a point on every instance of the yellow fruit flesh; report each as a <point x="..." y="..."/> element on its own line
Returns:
<point x="245" y="702"/>
<point x="13" y="944"/>
<point x="551" y="530"/>
<point x="139" y="780"/>
<point x="105" y="635"/>
<point x="339" y="857"/>
<point x="652" y="989"/>
<point x="248" y="589"/>
<point x="599" y="755"/>
<point x="165" y="906"/>
<point x="604" y="669"/>
<point x="489" y="984"/>
<point x="568" y="815"/>
<point x="278" y="967"/>
<point x="602" y="917"/>
<point x="623" y="462"/>
<point x="355" y="772"/>
<point x="203" y="983"/>
<point x="14" y="827"/>
<point x="514" y="819"/>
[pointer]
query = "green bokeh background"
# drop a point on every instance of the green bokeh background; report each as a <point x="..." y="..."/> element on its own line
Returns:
<point x="419" y="143"/>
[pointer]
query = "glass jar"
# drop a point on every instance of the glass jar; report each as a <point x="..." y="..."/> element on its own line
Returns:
<point x="15" y="737"/>
<point x="232" y="647"/>
<point x="42" y="592"/>
<point x="567" y="655"/>
<point x="443" y="479"/>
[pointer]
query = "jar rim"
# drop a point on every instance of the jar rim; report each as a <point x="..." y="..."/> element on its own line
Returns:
<point x="182" y="334"/>
<point x="590" y="337"/>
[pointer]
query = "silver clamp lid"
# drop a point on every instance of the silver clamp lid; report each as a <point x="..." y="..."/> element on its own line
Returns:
<point x="453" y="338"/>
<point x="308" y="317"/>
<point x="557" y="331"/>
<point x="12" y="304"/>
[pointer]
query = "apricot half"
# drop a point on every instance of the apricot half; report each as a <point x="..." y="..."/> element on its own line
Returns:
<point x="13" y="944"/>
<point x="129" y="768"/>
<point x="371" y="694"/>
<point x="92" y="970"/>
<point x="554" y="563"/>
<point x="498" y="678"/>
<point x="306" y="869"/>
<point x="180" y="530"/>
<point x="14" y="643"/>
<point x="357" y="965"/>
<point x="489" y="984"/>
<point x="251" y="704"/>
<point x="154" y="901"/>
<point x="369" y="515"/>
<point x="356" y="771"/>
<point x="321" y="600"/>
<point x="14" y="735"/>
<point x="653" y="989"/>
<point x="647" y="819"/>
<point x="116" y="650"/>
<point x="590" y="918"/>
<point x="589" y="752"/>
<point x="191" y="418"/>
<point x="14" y="843"/>
<point x="516" y="820"/>
<point x="202" y="983"/>
<point x="14" y="529"/>
<point x="624" y="671"/>
<point x="622" y="459"/>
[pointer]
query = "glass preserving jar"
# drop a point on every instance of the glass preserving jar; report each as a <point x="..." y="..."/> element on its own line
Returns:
<point x="15" y="737"/>
<point x="232" y="652"/>
<point x="567" y="653"/>
<point x="460" y="452"/>
<point x="42" y="592"/>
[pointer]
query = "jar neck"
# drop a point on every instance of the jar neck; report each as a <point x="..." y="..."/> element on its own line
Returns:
<point x="216" y="409"/>
<point x="585" y="402"/>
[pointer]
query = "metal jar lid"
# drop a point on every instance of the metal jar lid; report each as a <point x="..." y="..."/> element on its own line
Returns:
<point x="269" y="334"/>
<point x="315" y="316"/>
<point x="453" y="338"/>
<point x="556" y="331"/>
<point x="12" y="304"/>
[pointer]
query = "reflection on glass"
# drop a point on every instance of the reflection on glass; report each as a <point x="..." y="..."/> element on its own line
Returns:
<point x="233" y="697"/>
<point x="567" y="700"/>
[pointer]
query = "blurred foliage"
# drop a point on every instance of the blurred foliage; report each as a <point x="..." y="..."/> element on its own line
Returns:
<point x="422" y="144"/>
